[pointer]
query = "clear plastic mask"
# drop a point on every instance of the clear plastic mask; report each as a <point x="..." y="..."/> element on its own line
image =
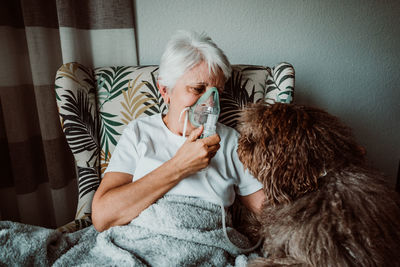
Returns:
<point x="206" y="112"/>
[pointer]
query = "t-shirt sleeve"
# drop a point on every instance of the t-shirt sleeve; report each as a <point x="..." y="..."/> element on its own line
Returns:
<point x="125" y="155"/>
<point x="248" y="184"/>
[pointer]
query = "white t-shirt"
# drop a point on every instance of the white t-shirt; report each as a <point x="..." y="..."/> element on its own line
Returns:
<point x="146" y="143"/>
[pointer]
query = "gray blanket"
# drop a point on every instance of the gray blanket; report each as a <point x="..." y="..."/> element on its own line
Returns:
<point x="174" y="231"/>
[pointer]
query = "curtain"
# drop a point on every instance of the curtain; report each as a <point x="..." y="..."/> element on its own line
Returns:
<point x="37" y="172"/>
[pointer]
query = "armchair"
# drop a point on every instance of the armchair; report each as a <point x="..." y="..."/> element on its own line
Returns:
<point x="95" y="105"/>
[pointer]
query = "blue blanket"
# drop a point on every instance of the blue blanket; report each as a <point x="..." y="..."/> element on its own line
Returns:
<point x="174" y="231"/>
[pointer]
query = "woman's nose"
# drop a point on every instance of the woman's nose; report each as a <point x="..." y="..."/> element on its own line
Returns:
<point x="210" y="100"/>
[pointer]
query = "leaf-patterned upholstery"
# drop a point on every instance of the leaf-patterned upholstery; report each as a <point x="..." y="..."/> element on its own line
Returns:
<point x="95" y="105"/>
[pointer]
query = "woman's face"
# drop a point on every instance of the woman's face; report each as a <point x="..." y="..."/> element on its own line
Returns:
<point x="191" y="86"/>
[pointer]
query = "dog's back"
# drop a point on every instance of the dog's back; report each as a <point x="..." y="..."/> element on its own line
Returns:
<point x="353" y="219"/>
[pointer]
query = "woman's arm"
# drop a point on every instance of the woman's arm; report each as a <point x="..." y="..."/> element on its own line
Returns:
<point x="254" y="201"/>
<point x="118" y="200"/>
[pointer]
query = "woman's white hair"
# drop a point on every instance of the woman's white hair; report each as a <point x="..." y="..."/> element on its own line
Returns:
<point x="187" y="49"/>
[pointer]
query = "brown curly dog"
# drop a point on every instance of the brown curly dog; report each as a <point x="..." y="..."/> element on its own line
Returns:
<point x="323" y="207"/>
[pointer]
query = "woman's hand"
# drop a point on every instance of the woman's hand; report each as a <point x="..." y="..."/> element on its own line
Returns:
<point x="195" y="154"/>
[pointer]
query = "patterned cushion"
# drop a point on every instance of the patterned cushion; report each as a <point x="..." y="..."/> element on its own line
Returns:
<point x="124" y="94"/>
<point x="76" y="100"/>
<point x="95" y="106"/>
<point x="250" y="84"/>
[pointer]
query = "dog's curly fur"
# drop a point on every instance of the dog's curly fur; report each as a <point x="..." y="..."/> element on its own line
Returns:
<point x="323" y="206"/>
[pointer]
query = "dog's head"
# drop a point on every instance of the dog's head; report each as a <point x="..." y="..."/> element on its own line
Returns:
<point x="289" y="147"/>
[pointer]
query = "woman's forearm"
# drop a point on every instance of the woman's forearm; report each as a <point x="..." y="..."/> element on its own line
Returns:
<point x="118" y="200"/>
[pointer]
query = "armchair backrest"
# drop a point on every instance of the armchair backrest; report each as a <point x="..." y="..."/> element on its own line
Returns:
<point x="96" y="105"/>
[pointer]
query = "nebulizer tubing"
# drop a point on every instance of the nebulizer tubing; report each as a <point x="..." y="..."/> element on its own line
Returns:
<point x="210" y="129"/>
<point x="223" y="215"/>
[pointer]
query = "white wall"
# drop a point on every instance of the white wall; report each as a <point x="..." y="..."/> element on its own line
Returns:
<point x="346" y="54"/>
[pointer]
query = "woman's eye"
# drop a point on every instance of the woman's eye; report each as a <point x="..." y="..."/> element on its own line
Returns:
<point x="197" y="90"/>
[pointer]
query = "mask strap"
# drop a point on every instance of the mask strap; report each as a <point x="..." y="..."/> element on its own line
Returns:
<point x="186" y="120"/>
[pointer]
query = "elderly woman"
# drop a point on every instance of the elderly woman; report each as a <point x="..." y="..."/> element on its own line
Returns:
<point x="159" y="155"/>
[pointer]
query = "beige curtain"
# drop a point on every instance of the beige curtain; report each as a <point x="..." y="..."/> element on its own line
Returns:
<point x="37" y="172"/>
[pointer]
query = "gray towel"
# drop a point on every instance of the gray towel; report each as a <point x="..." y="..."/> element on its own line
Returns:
<point x="174" y="231"/>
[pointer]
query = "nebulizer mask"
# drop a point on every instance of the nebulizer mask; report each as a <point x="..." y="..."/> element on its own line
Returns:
<point x="206" y="112"/>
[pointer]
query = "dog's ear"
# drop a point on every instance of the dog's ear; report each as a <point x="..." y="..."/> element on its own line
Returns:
<point x="274" y="153"/>
<point x="254" y="134"/>
<point x="276" y="150"/>
<point x="295" y="161"/>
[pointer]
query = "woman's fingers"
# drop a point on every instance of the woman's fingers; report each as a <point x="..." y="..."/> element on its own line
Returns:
<point x="211" y="140"/>
<point x="212" y="154"/>
<point x="213" y="148"/>
<point x="195" y="134"/>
